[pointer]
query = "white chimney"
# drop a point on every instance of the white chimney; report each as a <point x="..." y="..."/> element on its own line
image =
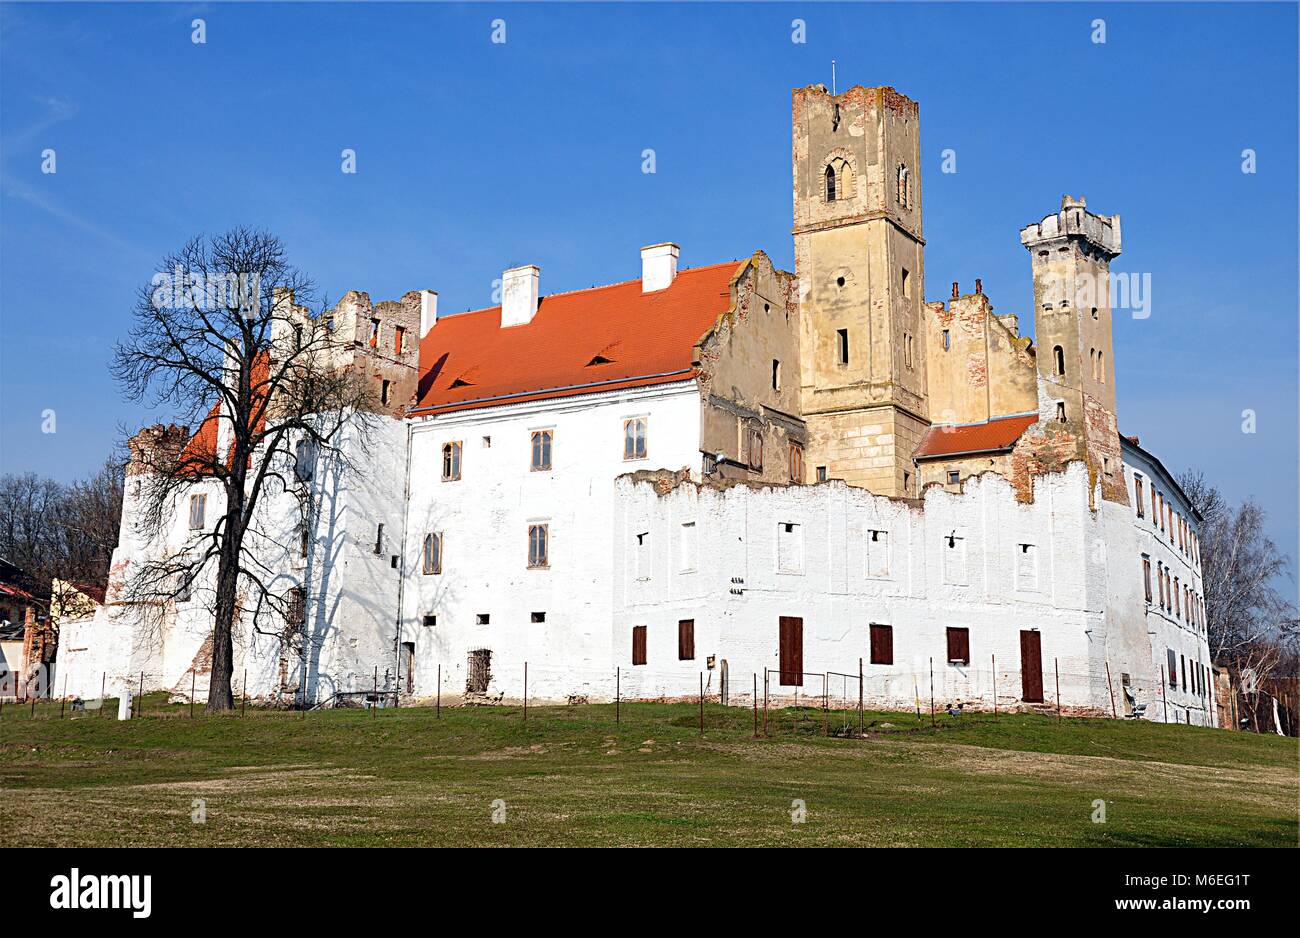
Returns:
<point x="658" y="266"/>
<point x="519" y="295"/>
<point x="428" y="311"/>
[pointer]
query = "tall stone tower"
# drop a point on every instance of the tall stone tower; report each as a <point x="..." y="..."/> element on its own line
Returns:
<point x="860" y="263"/>
<point x="1071" y="253"/>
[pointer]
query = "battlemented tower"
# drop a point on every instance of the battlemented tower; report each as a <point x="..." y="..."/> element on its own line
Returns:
<point x="860" y="263"/>
<point x="1071" y="253"/>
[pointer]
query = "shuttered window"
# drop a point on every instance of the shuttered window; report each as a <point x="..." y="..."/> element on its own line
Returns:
<point x="686" y="640"/>
<point x="882" y="644"/>
<point x="638" y="644"/>
<point x="959" y="646"/>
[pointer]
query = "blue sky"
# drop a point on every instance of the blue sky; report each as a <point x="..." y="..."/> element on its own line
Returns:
<point x="473" y="157"/>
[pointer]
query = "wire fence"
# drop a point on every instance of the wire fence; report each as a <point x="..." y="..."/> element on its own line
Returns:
<point x="782" y="701"/>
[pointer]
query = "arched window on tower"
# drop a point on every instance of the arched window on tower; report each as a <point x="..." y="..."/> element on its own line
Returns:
<point x="830" y="183"/>
<point x="904" y="182"/>
<point x="1058" y="354"/>
<point x="1101" y="367"/>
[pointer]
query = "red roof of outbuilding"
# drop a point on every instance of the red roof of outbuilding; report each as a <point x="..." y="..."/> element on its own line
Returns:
<point x="601" y="339"/>
<point x="1000" y="433"/>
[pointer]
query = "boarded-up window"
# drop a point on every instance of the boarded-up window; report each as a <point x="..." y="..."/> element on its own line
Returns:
<point x="1137" y="500"/>
<point x="755" y="449"/>
<point x="1027" y="566"/>
<point x="480" y="671"/>
<point x="954" y="559"/>
<point x="638" y="644"/>
<point x="958" y="645"/>
<point x="644" y="562"/>
<point x="686" y="640"/>
<point x="791" y="651"/>
<point x="1146" y="577"/>
<point x="882" y="644"/>
<point x="789" y="547"/>
<point x="878" y="554"/>
<point x="198" y="510"/>
<point x="686" y="547"/>
<point x="796" y="463"/>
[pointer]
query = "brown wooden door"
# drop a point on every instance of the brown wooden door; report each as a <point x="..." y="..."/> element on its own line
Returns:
<point x="1031" y="667"/>
<point x="791" y="651"/>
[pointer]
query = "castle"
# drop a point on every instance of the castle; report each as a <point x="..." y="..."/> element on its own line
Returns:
<point x="773" y="483"/>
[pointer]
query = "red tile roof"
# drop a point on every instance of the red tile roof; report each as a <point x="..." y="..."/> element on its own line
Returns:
<point x="601" y="339"/>
<point x="199" y="451"/>
<point x="997" y="434"/>
<point x="9" y="589"/>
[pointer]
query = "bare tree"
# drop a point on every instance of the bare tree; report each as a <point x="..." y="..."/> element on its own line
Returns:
<point x="1249" y="623"/>
<point x="224" y="337"/>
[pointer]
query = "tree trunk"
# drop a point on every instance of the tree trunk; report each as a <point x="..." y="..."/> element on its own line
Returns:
<point x="220" y="696"/>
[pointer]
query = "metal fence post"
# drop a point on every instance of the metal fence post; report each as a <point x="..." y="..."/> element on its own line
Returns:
<point x="437" y="712"/>
<point x="764" y="701"/>
<point x="1056" y="662"/>
<point x="1114" y="714"/>
<point x="618" y="695"/>
<point x="374" y="711"/>
<point x="756" y="705"/>
<point x="243" y="704"/>
<point x="139" y="704"/>
<point x="994" y="659"/>
<point x="932" y="691"/>
<point x="860" y="678"/>
<point x="701" y="703"/>
<point x="525" y="691"/>
<point x="191" y="693"/>
<point x="103" y="685"/>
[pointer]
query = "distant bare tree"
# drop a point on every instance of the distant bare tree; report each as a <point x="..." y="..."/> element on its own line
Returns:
<point x="1249" y="622"/>
<point x="227" y="319"/>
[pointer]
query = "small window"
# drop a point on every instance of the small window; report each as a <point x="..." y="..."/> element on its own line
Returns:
<point x="1173" y="666"/>
<point x="304" y="460"/>
<point x="796" y="462"/>
<point x="638" y="644"/>
<point x="379" y="539"/>
<point x="539" y="617"/>
<point x="451" y="462"/>
<point x="1146" y="576"/>
<point x="431" y="560"/>
<point x="958" y="646"/>
<point x="830" y="183"/>
<point x="1060" y="411"/>
<point x="1137" y="492"/>
<point x="399" y="339"/>
<point x="483" y="618"/>
<point x="634" y="438"/>
<point x="383" y="391"/>
<point x="842" y="336"/>
<point x="487" y="442"/>
<point x="954" y="477"/>
<point x="821" y="473"/>
<point x="776" y="375"/>
<point x="882" y="644"/>
<point x="1058" y="355"/>
<point x="430" y="619"/>
<point x="374" y="333"/>
<point x="947" y="340"/>
<point x="542" y="450"/>
<point x="538" y="545"/>
<point x="686" y="640"/>
<point x="907" y="284"/>
<point x="295" y="615"/>
<point x="198" y="511"/>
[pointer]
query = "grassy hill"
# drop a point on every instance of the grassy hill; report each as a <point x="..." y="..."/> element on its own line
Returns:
<point x="571" y="775"/>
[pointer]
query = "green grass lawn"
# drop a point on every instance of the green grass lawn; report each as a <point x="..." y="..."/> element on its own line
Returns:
<point x="572" y="776"/>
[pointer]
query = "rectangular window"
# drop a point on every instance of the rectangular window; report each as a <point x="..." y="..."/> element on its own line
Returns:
<point x="958" y="646"/>
<point x="907" y="283"/>
<point x="538" y="617"/>
<point x="374" y="333"/>
<point x="877" y="554"/>
<point x="686" y="640"/>
<point x="796" y="463"/>
<point x="954" y="477"/>
<point x="842" y="337"/>
<point x="198" y="511"/>
<point x="1137" y="490"/>
<point x="296" y="609"/>
<point x="431" y="561"/>
<point x="483" y="618"/>
<point x="1183" y="660"/>
<point x="638" y="644"/>
<point x="882" y="644"/>
<point x="430" y="619"/>
<point x="821" y="473"/>
<point x="686" y="547"/>
<point x="379" y="539"/>
<point x="1173" y="667"/>
<point x="542" y="450"/>
<point x="634" y="438"/>
<point x="384" y="387"/>
<point x="789" y="548"/>
<point x="1146" y="576"/>
<point x="755" y="449"/>
<point x="451" y="462"/>
<point x="399" y="339"/>
<point x="538" y="545"/>
<point x="947" y="340"/>
<point x="776" y="375"/>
